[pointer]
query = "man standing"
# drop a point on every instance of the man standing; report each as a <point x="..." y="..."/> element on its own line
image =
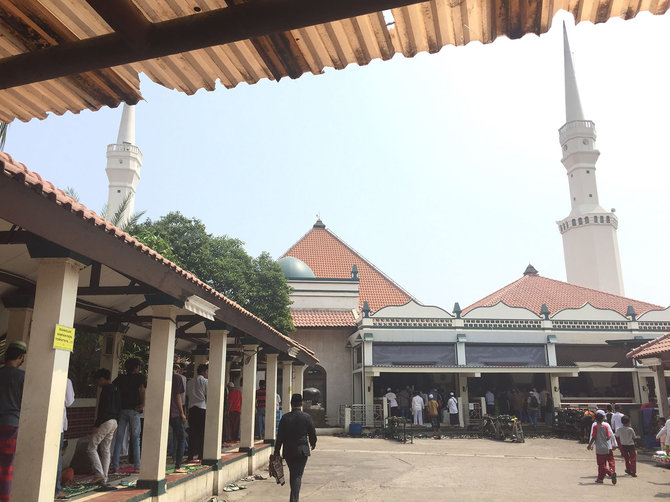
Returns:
<point x="11" y="393"/>
<point x="417" y="409"/>
<point x="260" y="410"/>
<point x="177" y="419"/>
<point x="452" y="406"/>
<point x="403" y="402"/>
<point x="234" y="410"/>
<point x="490" y="402"/>
<point x="132" y="387"/>
<point x="433" y="412"/>
<point x="533" y="402"/>
<point x="295" y="430"/>
<point x="109" y="407"/>
<point x="196" y="392"/>
<point x="393" y="402"/>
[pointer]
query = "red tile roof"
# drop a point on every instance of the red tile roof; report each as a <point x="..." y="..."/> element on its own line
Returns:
<point x="19" y="172"/>
<point x="322" y="318"/>
<point x="329" y="257"/>
<point x="532" y="290"/>
<point x="653" y="348"/>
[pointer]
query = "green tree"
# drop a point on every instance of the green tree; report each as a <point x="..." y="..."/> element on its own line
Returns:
<point x="257" y="284"/>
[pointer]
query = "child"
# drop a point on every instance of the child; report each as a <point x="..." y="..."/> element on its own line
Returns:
<point x="626" y="436"/>
<point x="601" y="435"/>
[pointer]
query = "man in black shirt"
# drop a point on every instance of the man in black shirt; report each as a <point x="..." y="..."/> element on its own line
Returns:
<point x="294" y="430"/>
<point x="109" y="407"/>
<point x="132" y="386"/>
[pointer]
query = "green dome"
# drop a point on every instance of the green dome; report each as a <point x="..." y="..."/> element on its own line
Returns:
<point x="295" y="269"/>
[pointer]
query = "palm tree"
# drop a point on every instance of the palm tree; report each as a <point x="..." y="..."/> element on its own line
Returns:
<point x="115" y="218"/>
<point x="3" y="134"/>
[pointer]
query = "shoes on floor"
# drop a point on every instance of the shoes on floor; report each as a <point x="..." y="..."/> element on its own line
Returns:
<point x="613" y="477"/>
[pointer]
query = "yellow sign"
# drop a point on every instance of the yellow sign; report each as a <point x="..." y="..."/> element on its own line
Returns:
<point x="64" y="338"/>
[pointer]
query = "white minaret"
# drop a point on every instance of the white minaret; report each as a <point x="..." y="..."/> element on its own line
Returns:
<point x="590" y="243"/>
<point x="124" y="160"/>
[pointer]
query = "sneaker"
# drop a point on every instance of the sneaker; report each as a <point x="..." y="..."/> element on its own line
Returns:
<point x="633" y="474"/>
<point x="627" y="471"/>
<point x="613" y="478"/>
<point x="599" y="481"/>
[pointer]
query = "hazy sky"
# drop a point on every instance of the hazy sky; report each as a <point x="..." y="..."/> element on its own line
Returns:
<point x="443" y="170"/>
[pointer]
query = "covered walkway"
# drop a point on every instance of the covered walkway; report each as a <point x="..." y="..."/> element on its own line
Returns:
<point x="63" y="266"/>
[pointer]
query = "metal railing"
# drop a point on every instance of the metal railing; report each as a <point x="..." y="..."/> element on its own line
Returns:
<point x="368" y="415"/>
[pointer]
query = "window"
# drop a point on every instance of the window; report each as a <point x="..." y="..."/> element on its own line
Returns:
<point x="602" y="220"/>
<point x="587" y="171"/>
<point x="574" y="222"/>
<point x="586" y="220"/>
<point x="581" y="222"/>
<point x="607" y="219"/>
<point x="590" y="195"/>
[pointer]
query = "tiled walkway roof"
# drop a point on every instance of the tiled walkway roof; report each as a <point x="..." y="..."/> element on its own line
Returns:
<point x="329" y="257"/>
<point x="322" y="318"/>
<point x="650" y="349"/>
<point x="532" y="290"/>
<point x="20" y="172"/>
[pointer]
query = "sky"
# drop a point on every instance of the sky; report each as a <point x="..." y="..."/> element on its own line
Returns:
<point x="443" y="170"/>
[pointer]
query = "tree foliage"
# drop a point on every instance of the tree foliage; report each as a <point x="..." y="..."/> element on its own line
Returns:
<point x="257" y="284"/>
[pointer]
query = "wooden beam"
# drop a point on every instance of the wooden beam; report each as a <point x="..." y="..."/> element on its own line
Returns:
<point x="217" y="27"/>
<point x="13" y="236"/>
<point x="114" y="290"/>
<point x="16" y="280"/>
<point x="124" y="18"/>
<point x="94" y="281"/>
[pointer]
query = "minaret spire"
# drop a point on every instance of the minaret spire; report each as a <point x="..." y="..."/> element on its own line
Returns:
<point x="124" y="160"/>
<point x="573" y="105"/>
<point x="589" y="232"/>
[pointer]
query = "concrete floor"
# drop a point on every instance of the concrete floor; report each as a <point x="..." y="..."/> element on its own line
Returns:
<point x="349" y="469"/>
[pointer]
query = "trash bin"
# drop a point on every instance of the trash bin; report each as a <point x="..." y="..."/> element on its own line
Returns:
<point x="355" y="429"/>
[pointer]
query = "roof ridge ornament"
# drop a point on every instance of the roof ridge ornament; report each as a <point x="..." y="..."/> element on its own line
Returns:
<point x="530" y="270"/>
<point x="319" y="223"/>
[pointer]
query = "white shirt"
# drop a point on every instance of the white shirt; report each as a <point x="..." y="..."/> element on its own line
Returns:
<point x="417" y="403"/>
<point x="610" y="441"/>
<point x="490" y="398"/>
<point x="452" y="404"/>
<point x="616" y="421"/>
<point x="196" y="392"/>
<point x="392" y="399"/>
<point x="69" y="399"/>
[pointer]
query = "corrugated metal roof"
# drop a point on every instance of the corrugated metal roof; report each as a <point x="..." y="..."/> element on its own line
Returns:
<point x="30" y="25"/>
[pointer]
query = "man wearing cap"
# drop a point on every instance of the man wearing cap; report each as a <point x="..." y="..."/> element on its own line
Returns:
<point x="602" y="436"/>
<point x="11" y="393"/>
<point x="452" y="406"/>
<point x="234" y="411"/>
<point x="393" y="402"/>
<point x="296" y="430"/>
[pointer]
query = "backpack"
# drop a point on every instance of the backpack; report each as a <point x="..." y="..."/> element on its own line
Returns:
<point x="534" y="403"/>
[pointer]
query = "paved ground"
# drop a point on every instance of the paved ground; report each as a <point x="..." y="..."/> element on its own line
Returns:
<point x="366" y="470"/>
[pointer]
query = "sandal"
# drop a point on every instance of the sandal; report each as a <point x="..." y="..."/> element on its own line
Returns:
<point x="232" y="487"/>
<point x="180" y="471"/>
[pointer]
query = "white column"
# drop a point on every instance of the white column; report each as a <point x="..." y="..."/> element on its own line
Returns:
<point x="298" y="370"/>
<point x="270" y="397"/>
<point x="551" y="354"/>
<point x="159" y="389"/>
<point x="45" y="380"/>
<point x="555" y="391"/>
<point x="661" y="391"/>
<point x="287" y="378"/>
<point x="460" y="349"/>
<point x="112" y="342"/>
<point x="464" y="408"/>
<point x="249" y="363"/>
<point x="369" y="401"/>
<point x="216" y="385"/>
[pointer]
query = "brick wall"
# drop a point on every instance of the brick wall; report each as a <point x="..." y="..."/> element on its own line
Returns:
<point x="80" y="421"/>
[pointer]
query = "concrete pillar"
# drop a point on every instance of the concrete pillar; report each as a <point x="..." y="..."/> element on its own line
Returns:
<point x="247" y="418"/>
<point x="229" y="364"/>
<point x="216" y="384"/>
<point x="551" y="354"/>
<point x="157" y="410"/>
<point x="298" y="371"/>
<point x="45" y="381"/>
<point x="369" y="401"/>
<point x="637" y="394"/>
<point x="270" y="397"/>
<point x="199" y="357"/>
<point x="464" y="408"/>
<point x="287" y="377"/>
<point x="460" y="349"/>
<point x="112" y="342"/>
<point x="661" y="391"/>
<point x="555" y="391"/>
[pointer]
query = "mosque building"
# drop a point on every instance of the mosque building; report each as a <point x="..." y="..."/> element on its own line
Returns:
<point x="570" y="338"/>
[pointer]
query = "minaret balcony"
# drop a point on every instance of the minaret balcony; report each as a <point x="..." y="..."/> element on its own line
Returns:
<point x="576" y="129"/>
<point x="586" y="220"/>
<point x="125" y="148"/>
